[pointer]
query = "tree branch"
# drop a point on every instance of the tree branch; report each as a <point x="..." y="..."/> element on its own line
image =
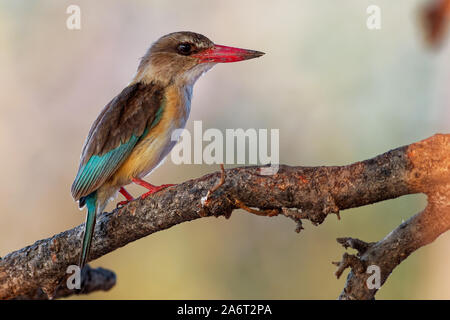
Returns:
<point x="296" y="192"/>
<point x="92" y="280"/>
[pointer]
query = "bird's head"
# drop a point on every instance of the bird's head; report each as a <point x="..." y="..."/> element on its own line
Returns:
<point x="184" y="56"/>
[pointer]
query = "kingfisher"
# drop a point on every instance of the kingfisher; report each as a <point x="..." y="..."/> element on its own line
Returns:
<point x="133" y="133"/>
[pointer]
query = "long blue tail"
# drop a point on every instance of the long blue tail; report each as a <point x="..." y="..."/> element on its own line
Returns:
<point x="91" y="204"/>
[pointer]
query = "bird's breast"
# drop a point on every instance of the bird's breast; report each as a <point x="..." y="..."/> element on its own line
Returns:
<point x="156" y="145"/>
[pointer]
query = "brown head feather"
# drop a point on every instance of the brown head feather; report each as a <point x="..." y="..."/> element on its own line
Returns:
<point x="164" y="62"/>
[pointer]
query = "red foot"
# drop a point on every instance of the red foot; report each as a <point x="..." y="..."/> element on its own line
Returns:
<point x="127" y="196"/>
<point x="152" y="189"/>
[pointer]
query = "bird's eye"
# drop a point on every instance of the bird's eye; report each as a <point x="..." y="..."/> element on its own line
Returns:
<point x="184" y="48"/>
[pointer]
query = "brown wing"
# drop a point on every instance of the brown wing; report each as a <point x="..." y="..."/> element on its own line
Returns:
<point x="114" y="134"/>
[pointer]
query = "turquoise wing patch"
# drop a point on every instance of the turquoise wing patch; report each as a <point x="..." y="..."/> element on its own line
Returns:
<point x="99" y="168"/>
<point x="122" y="123"/>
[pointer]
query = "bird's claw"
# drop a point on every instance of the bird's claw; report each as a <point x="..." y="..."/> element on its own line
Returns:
<point x="121" y="204"/>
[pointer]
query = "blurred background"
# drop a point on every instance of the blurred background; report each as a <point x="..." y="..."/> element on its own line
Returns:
<point x="338" y="92"/>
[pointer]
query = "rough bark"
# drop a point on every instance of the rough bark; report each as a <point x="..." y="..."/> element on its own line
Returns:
<point x="296" y="192"/>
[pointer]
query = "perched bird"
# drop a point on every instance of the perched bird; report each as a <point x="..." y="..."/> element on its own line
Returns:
<point x="132" y="134"/>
